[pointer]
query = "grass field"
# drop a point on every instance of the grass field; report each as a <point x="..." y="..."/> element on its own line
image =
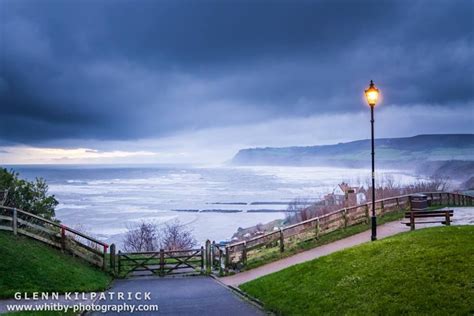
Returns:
<point x="30" y="266"/>
<point x="425" y="272"/>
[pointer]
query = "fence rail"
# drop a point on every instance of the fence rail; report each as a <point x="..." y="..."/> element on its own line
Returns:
<point x="237" y="253"/>
<point x="54" y="234"/>
<point x="211" y="257"/>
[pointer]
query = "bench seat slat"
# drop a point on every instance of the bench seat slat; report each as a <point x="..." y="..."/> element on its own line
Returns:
<point x="427" y="215"/>
<point x="430" y="212"/>
<point x="425" y="222"/>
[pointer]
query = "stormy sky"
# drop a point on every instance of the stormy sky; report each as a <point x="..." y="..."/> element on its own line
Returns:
<point x="194" y="81"/>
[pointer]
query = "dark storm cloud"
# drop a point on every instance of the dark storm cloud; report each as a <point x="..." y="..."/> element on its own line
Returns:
<point x="130" y="69"/>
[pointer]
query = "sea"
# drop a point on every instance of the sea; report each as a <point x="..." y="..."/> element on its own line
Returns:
<point x="212" y="202"/>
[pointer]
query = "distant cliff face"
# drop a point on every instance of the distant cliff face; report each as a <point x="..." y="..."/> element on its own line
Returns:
<point x="391" y="152"/>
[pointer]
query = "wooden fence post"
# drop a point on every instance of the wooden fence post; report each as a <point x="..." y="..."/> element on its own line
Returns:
<point x="213" y="253"/>
<point x="367" y="218"/>
<point x="244" y="254"/>
<point x="227" y="258"/>
<point x="162" y="262"/>
<point x="112" y="258"/>
<point x="344" y="217"/>
<point x="220" y="262"/>
<point x="63" y="237"/>
<point x="15" y="222"/>
<point x="104" y="258"/>
<point x="208" y="256"/>
<point x="202" y="259"/>
<point x="282" y="241"/>
<point x="382" y="207"/>
<point x="398" y="203"/>
<point x="119" y="263"/>
<point x="318" y="228"/>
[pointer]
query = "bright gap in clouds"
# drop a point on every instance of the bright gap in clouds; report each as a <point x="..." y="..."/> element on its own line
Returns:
<point x="218" y="145"/>
<point x="35" y="155"/>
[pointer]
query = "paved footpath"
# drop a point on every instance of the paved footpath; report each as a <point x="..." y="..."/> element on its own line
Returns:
<point x="462" y="216"/>
<point x="183" y="296"/>
<point x="180" y="296"/>
<point x="384" y="230"/>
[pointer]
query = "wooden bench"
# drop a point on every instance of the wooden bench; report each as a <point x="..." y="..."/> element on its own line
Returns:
<point x="435" y="216"/>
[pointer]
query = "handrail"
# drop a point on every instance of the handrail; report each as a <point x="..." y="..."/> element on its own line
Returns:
<point x="76" y="232"/>
<point x="251" y="243"/>
<point x="242" y="242"/>
<point x="62" y="226"/>
<point x="32" y="215"/>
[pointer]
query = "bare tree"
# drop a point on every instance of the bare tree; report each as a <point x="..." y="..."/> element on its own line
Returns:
<point x="302" y="209"/>
<point x="390" y="188"/>
<point x="175" y="236"/>
<point x="83" y="229"/>
<point x="296" y="210"/>
<point x="143" y="237"/>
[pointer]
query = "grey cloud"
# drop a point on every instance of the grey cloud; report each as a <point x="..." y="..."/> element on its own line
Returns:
<point x="117" y="70"/>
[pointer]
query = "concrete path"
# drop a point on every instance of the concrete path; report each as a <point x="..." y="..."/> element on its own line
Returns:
<point x="462" y="216"/>
<point x="202" y="296"/>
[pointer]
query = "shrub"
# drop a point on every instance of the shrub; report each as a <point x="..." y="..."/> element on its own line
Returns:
<point x="31" y="196"/>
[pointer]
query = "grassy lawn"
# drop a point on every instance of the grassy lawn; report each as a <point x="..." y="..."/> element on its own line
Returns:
<point x="263" y="256"/>
<point x="427" y="271"/>
<point x="30" y="266"/>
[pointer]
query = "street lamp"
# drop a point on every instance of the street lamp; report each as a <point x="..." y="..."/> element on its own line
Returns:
<point x="372" y="95"/>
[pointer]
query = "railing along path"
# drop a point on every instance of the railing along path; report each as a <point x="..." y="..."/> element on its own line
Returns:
<point x="211" y="257"/>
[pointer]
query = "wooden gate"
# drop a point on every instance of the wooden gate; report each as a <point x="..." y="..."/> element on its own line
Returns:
<point x="161" y="263"/>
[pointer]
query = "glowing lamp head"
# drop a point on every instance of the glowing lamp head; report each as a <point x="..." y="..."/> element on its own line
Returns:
<point x="372" y="94"/>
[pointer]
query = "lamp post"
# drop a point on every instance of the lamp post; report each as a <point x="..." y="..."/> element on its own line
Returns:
<point x="372" y="95"/>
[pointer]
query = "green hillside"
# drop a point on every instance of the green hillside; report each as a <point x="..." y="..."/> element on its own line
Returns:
<point x="390" y="151"/>
<point x="30" y="266"/>
<point x="425" y="272"/>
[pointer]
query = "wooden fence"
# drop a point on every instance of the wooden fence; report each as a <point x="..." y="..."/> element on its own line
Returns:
<point x="54" y="234"/>
<point x="236" y="254"/>
<point x="189" y="261"/>
<point x="211" y="257"/>
<point x="206" y="260"/>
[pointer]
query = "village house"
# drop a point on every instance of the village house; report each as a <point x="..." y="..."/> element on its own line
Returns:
<point x="345" y="196"/>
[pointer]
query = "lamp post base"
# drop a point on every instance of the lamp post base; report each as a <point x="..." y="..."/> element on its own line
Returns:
<point x="374" y="228"/>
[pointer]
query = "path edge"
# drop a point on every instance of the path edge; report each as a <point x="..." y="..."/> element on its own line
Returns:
<point x="243" y="295"/>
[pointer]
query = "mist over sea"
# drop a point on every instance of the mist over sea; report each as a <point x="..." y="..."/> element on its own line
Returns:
<point x="105" y="200"/>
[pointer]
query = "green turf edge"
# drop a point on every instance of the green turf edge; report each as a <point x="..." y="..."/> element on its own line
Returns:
<point x="30" y="266"/>
<point x="424" y="272"/>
